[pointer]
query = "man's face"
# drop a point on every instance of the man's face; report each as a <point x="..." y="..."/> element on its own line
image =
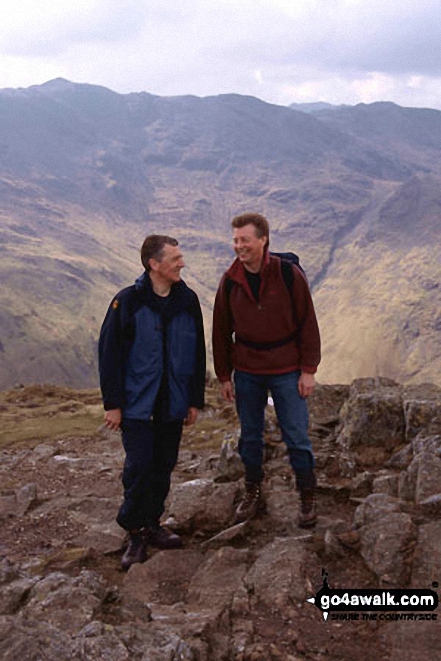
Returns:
<point x="248" y="246"/>
<point x="169" y="268"/>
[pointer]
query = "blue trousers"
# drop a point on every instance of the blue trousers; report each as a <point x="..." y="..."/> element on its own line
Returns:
<point x="292" y="415"/>
<point x="151" y="455"/>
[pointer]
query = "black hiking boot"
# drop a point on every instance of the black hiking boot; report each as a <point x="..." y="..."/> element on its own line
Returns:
<point x="307" y="512"/>
<point x="135" y="552"/>
<point x="251" y="504"/>
<point x="162" y="538"/>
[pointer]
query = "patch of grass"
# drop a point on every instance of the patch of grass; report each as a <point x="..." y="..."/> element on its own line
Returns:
<point x="35" y="414"/>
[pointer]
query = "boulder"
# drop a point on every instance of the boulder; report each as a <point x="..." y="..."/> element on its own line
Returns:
<point x="164" y="578"/>
<point x="374" y="507"/>
<point x="361" y="484"/>
<point x="422" y="410"/>
<point x="282" y="502"/>
<point x="422" y="479"/>
<point x="67" y="604"/>
<point x="213" y="586"/>
<point x="387" y="538"/>
<point x="373" y="422"/>
<point x="277" y="578"/>
<point x="386" y="483"/>
<point x="386" y="546"/>
<point x="202" y="504"/>
<point x="33" y="640"/>
<point x="426" y="566"/>
<point x="229" y="466"/>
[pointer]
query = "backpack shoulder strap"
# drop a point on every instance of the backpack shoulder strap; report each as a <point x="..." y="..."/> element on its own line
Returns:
<point x="287" y="274"/>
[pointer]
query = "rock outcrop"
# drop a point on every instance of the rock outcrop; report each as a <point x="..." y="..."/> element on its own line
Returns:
<point x="234" y="592"/>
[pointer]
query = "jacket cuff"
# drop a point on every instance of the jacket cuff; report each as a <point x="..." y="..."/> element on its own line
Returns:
<point x="308" y="369"/>
<point x="111" y="406"/>
<point x="224" y="379"/>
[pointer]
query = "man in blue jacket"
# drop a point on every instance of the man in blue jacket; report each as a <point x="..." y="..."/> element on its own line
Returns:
<point x="152" y="375"/>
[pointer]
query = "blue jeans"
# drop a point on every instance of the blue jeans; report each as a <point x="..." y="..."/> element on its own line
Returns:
<point x="292" y="415"/>
<point x="151" y="454"/>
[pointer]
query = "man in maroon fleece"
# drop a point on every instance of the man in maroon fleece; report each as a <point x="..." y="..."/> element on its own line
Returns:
<point x="276" y="349"/>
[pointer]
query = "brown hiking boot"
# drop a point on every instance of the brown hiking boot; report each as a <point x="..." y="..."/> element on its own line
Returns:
<point x="135" y="551"/>
<point x="162" y="538"/>
<point x="251" y="504"/>
<point x="307" y="513"/>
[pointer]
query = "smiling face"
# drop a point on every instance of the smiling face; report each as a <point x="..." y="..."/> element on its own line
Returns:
<point x="167" y="271"/>
<point x="248" y="247"/>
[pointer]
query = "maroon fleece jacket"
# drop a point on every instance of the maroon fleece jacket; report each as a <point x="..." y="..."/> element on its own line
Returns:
<point x="277" y="316"/>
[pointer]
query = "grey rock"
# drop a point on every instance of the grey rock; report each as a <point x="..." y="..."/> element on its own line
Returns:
<point x="407" y="481"/>
<point x="426" y="566"/>
<point x="333" y="547"/>
<point x="64" y="603"/>
<point x="282" y="502"/>
<point x="229" y="466"/>
<point x="34" y="640"/>
<point x="422" y="410"/>
<point x="17" y="504"/>
<point x="164" y="578"/>
<point x="387" y="545"/>
<point x="402" y="458"/>
<point x="203" y="505"/>
<point x="413" y="641"/>
<point x="43" y="451"/>
<point x="422" y="478"/>
<point x="13" y="595"/>
<point x="233" y="532"/>
<point x="361" y="484"/>
<point x="8" y="571"/>
<point x="374" y="508"/>
<point x="8" y="506"/>
<point x="431" y="506"/>
<point x="103" y="538"/>
<point x="277" y="578"/>
<point x="387" y="483"/>
<point x="213" y="586"/>
<point x="373" y="421"/>
<point x="26" y="497"/>
<point x="106" y="646"/>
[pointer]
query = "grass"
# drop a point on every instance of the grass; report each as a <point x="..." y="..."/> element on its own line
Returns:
<point x="39" y="413"/>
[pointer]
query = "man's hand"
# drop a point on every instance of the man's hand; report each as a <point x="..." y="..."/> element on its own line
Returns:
<point x="192" y="416"/>
<point x="227" y="391"/>
<point x="306" y="384"/>
<point x="112" y="419"/>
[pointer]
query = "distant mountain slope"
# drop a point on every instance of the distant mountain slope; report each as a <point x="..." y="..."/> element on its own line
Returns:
<point x="86" y="173"/>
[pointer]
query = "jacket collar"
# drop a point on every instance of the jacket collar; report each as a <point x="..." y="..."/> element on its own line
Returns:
<point x="237" y="270"/>
<point x="180" y="296"/>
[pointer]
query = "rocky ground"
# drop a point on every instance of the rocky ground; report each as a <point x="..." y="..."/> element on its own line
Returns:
<point x="234" y="593"/>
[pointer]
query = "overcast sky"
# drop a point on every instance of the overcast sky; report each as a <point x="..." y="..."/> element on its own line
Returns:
<point x="282" y="51"/>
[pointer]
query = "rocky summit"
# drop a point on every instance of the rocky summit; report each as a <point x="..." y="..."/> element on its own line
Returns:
<point x="234" y="592"/>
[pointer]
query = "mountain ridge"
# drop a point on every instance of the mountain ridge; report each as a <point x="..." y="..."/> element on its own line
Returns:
<point x="86" y="173"/>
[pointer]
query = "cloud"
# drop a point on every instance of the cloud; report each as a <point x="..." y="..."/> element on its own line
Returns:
<point x="279" y="50"/>
<point x="46" y="28"/>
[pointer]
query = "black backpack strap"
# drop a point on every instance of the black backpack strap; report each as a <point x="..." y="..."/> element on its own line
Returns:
<point x="288" y="279"/>
<point x="287" y="274"/>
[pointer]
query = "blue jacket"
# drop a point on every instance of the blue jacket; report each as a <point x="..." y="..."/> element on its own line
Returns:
<point x="153" y="358"/>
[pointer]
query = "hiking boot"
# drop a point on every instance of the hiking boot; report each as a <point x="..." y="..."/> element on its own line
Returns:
<point x="135" y="551"/>
<point x="251" y="504"/>
<point x="162" y="538"/>
<point x="307" y="513"/>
